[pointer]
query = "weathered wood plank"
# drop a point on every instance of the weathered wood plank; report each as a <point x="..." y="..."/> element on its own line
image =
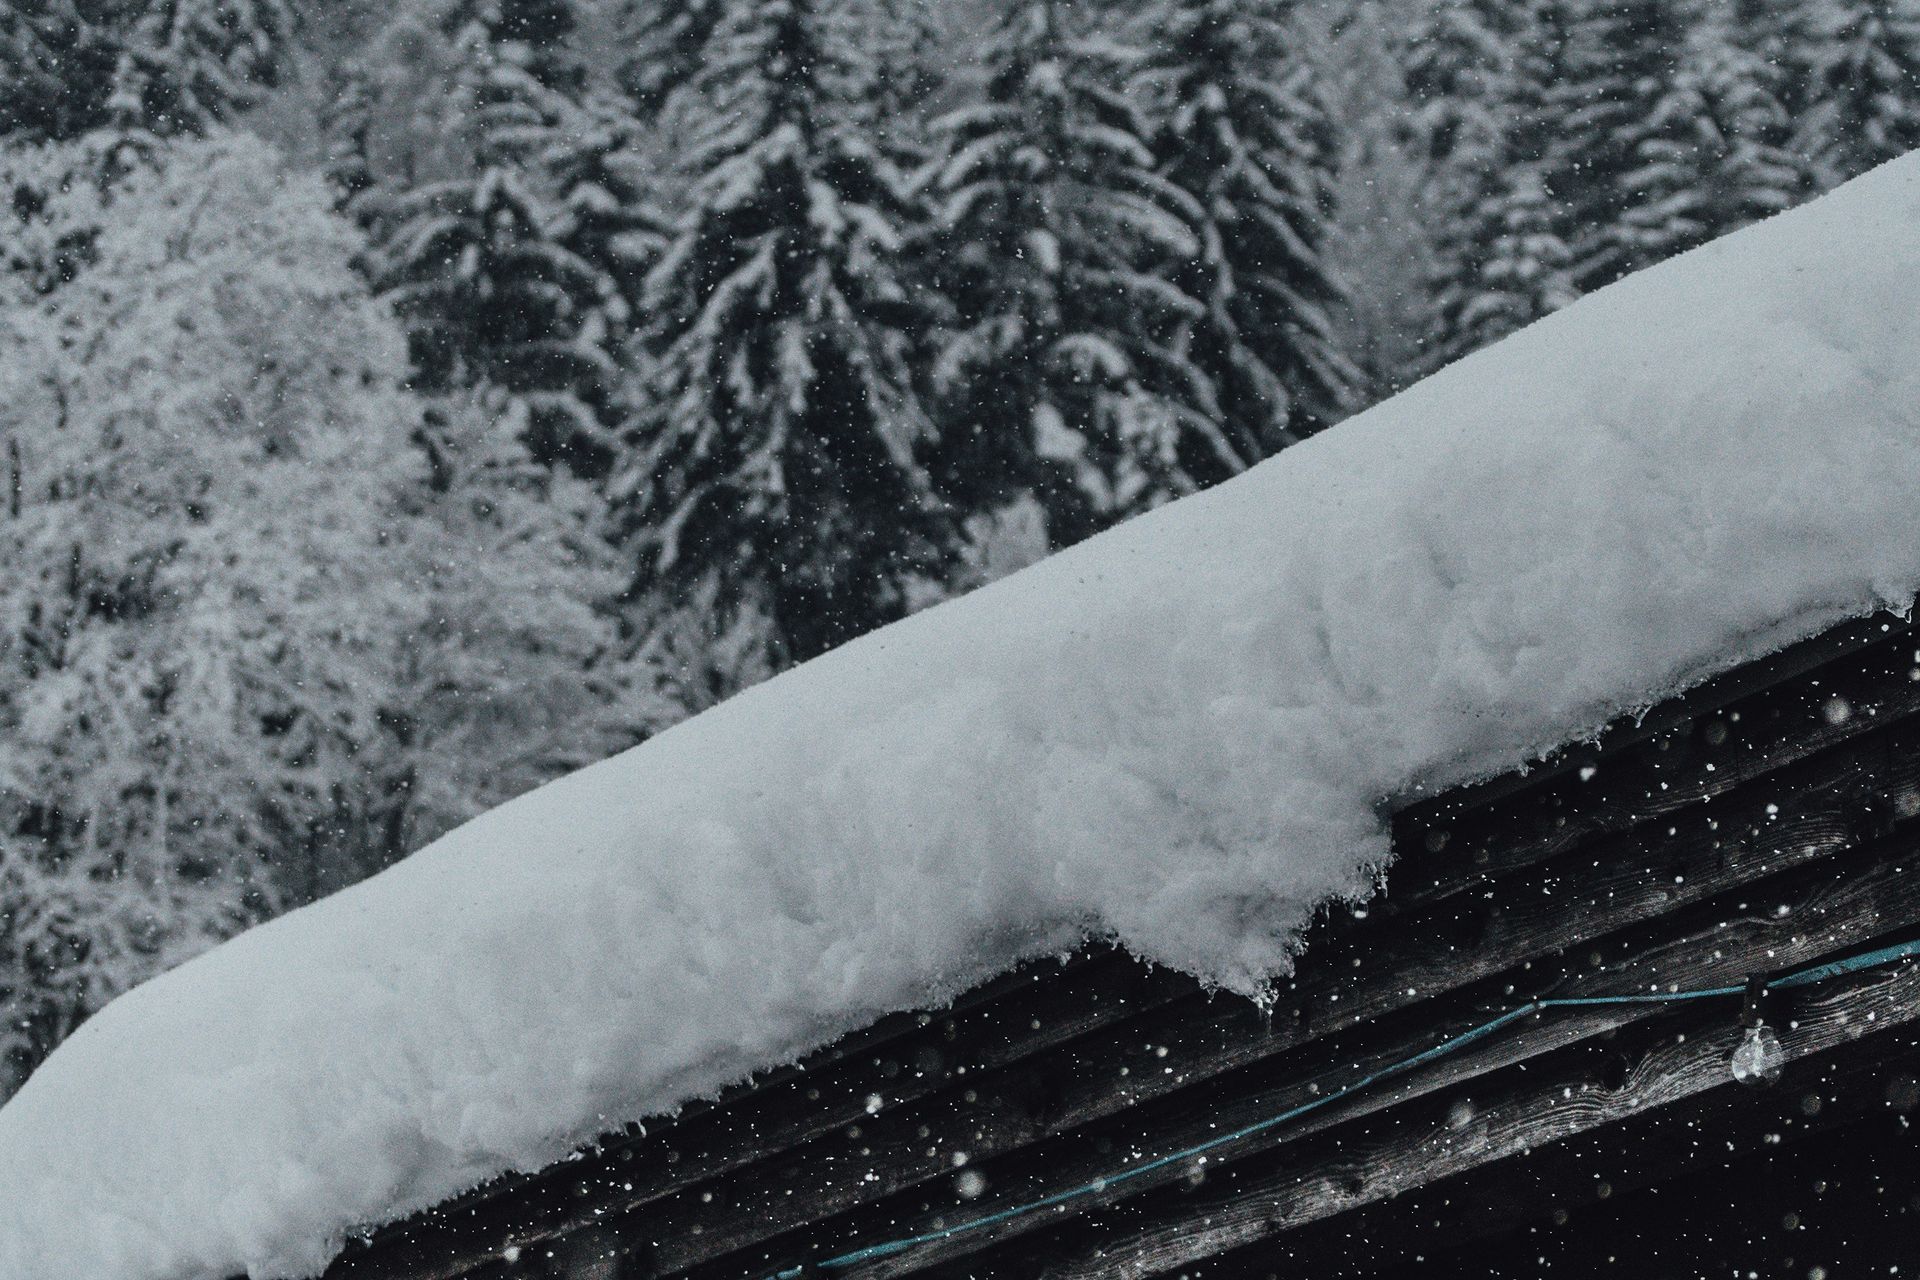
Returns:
<point x="1864" y="650"/>
<point x="1024" y="1019"/>
<point x="1718" y="1154"/>
<point x="1677" y="1058"/>
<point x="1827" y="912"/>
<point x="1636" y="774"/>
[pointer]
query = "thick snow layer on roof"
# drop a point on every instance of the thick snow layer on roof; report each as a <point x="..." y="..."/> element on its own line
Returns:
<point x="1180" y="735"/>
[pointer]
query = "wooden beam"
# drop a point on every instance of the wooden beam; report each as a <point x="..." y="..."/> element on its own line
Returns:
<point x="1721" y="1155"/>
<point x="1848" y="652"/>
<point x="1676" y="1058"/>
<point x="1634" y="775"/>
<point x="1840" y="909"/>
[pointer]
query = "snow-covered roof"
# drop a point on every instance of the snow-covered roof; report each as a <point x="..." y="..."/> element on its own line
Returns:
<point x="1182" y="734"/>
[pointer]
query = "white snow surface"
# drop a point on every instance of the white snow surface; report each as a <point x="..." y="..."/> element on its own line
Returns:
<point x="1182" y="735"/>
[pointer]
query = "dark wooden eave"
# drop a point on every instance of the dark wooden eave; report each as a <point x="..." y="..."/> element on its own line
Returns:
<point x="1765" y="821"/>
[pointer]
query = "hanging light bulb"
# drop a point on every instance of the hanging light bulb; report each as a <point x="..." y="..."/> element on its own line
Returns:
<point x="1759" y="1059"/>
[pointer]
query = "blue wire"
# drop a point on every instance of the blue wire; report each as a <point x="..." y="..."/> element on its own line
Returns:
<point x="1881" y="958"/>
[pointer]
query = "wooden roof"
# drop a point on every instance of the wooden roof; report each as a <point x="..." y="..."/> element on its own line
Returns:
<point x="1763" y="823"/>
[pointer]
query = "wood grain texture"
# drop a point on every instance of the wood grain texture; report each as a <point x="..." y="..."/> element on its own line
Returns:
<point x="1679" y="1056"/>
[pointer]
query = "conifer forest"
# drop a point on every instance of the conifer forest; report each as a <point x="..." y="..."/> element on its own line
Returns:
<point x="402" y="405"/>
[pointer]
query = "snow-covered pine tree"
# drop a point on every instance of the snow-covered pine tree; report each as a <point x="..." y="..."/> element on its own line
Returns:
<point x="531" y="35"/>
<point x="1619" y="60"/>
<point x="191" y="64"/>
<point x="1863" y="64"/>
<point x="346" y="126"/>
<point x="1761" y="171"/>
<point x="157" y="67"/>
<point x="665" y="41"/>
<point x="516" y="673"/>
<point x="1382" y="233"/>
<point x="1244" y="134"/>
<point x="913" y="41"/>
<point x="491" y="296"/>
<point x="1459" y="64"/>
<point x="57" y="63"/>
<point x="1053" y="377"/>
<point x="606" y="217"/>
<point x="1517" y="267"/>
<point x="1715" y="154"/>
<point x="1775" y="31"/>
<point x="1503" y="256"/>
<point x="778" y="453"/>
